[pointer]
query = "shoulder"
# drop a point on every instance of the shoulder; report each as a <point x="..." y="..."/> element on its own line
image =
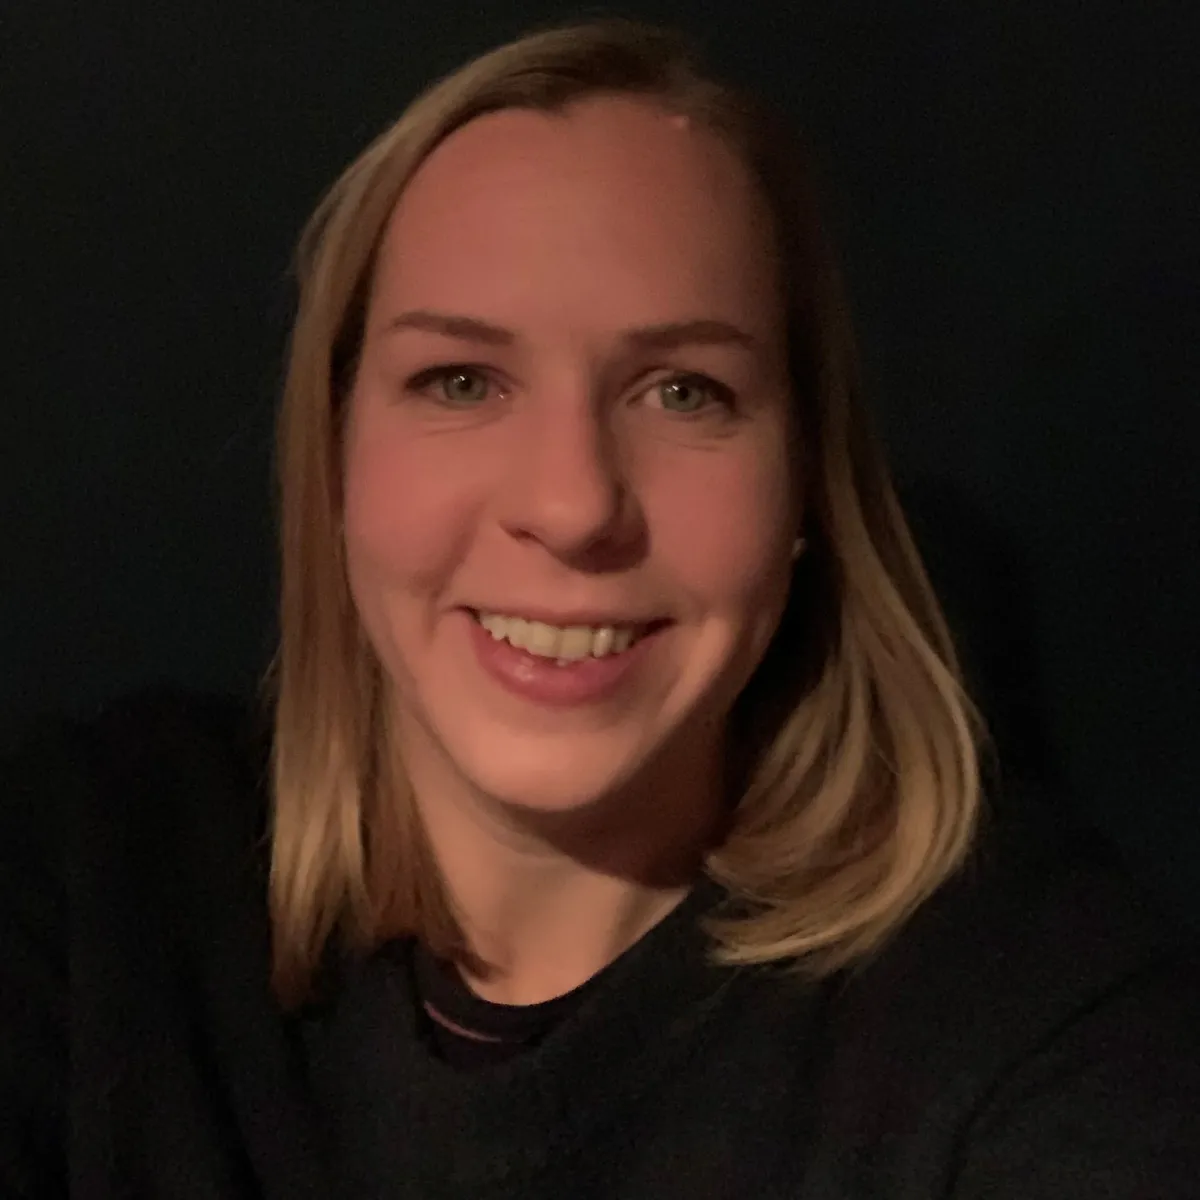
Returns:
<point x="1040" y="924"/>
<point x="134" y="854"/>
<point x="1043" y="1012"/>
<point x="1045" y="913"/>
<point x="160" y="785"/>
<point x="120" y="844"/>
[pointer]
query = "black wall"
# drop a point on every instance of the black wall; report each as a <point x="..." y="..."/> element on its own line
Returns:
<point x="1016" y="189"/>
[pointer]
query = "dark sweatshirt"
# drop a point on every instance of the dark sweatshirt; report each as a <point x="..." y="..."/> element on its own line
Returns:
<point x="1033" y="1033"/>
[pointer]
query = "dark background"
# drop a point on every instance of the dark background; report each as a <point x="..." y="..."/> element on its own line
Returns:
<point x="1016" y="191"/>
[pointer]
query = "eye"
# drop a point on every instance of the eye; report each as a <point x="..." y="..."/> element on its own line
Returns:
<point x="690" y="395"/>
<point x="458" y="386"/>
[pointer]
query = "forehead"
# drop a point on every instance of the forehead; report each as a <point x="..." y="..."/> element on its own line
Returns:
<point x="611" y="210"/>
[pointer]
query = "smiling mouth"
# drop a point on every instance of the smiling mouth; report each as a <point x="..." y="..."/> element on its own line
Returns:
<point x="563" y="644"/>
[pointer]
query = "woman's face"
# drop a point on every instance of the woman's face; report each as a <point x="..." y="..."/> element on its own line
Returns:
<point x="568" y="496"/>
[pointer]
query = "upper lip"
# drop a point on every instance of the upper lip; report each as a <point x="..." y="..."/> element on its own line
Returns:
<point x="593" y="618"/>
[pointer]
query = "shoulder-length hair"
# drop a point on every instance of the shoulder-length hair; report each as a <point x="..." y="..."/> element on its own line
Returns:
<point x="856" y="780"/>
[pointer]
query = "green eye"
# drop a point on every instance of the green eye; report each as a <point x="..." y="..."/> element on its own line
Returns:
<point x="684" y="395"/>
<point x="454" y="386"/>
<point x="463" y="387"/>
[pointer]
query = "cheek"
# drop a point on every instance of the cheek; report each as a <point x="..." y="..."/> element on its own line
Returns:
<point x="726" y="530"/>
<point x="405" y="519"/>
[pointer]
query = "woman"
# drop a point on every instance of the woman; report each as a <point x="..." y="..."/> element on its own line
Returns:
<point x="611" y="834"/>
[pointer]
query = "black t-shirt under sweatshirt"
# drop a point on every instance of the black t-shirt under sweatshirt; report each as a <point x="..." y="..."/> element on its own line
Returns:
<point x="1031" y="1034"/>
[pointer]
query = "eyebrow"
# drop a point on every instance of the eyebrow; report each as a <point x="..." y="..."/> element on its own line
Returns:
<point x="668" y="336"/>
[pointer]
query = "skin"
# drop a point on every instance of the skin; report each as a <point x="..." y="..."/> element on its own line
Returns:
<point x="567" y="473"/>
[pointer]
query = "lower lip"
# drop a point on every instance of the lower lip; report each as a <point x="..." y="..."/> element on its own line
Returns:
<point x="542" y="681"/>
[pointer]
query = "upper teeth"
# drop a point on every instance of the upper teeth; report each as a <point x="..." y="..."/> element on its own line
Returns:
<point x="553" y="641"/>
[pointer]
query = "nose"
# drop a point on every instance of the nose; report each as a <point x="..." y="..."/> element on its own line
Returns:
<point x="566" y="488"/>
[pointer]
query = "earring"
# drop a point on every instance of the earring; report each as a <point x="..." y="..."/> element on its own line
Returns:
<point x="798" y="547"/>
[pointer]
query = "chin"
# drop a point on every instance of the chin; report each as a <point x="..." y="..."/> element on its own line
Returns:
<point x="549" y="772"/>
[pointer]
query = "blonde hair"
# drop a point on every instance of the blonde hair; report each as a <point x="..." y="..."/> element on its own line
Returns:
<point x="857" y="770"/>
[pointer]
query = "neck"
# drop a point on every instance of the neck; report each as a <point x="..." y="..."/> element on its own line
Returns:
<point x="540" y="938"/>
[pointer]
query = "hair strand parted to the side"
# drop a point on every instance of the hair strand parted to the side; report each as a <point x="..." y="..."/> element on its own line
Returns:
<point x="859" y="790"/>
